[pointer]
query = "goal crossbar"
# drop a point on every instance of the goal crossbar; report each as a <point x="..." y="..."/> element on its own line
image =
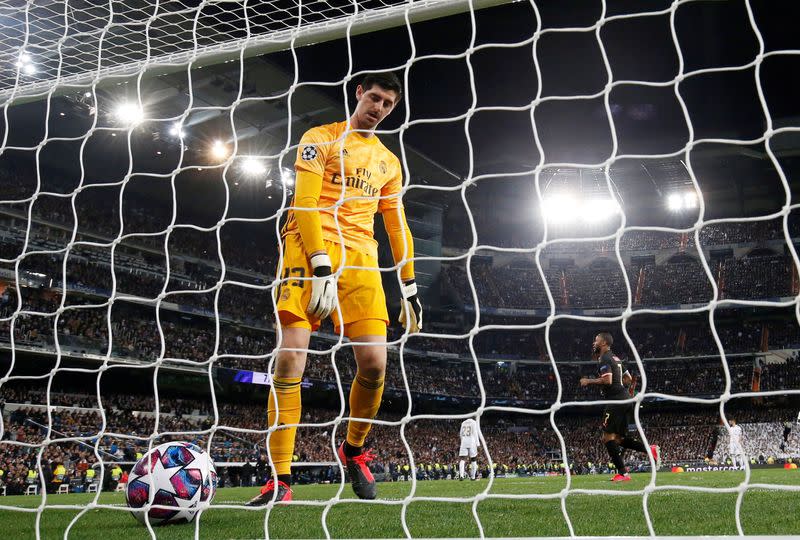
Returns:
<point x="360" y="22"/>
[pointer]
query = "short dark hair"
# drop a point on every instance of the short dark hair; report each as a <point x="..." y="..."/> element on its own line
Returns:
<point x="387" y="81"/>
<point x="607" y="337"/>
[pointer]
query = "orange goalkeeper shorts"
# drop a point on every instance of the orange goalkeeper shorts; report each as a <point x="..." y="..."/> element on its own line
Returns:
<point x="360" y="290"/>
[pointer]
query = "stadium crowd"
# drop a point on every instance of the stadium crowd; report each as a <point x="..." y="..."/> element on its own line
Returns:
<point x="600" y="284"/>
<point x="134" y="336"/>
<point x="518" y="443"/>
<point x="591" y="281"/>
<point x="716" y="234"/>
<point x="83" y="326"/>
<point x="186" y="329"/>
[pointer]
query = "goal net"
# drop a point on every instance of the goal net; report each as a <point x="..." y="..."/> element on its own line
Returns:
<point x="609" y="167"/>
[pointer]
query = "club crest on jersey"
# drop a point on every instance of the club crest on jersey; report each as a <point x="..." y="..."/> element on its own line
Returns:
<point x="309" y="152"/>
<point x="382" y="166"/>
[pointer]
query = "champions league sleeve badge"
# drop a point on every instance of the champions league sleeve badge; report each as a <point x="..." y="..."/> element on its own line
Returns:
<point x="309" y="152"/>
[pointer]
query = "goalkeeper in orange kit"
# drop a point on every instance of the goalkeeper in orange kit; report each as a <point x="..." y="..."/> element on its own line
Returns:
<point x="344" y="175"/>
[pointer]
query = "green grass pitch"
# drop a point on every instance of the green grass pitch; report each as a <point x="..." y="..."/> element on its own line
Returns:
<point x="673" y="512"/>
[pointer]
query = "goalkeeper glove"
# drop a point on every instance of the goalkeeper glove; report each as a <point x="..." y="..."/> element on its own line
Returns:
<point x="410" y="308"/>
<point x="323" y="287"/>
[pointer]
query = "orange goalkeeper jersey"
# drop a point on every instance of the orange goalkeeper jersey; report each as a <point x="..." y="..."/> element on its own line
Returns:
<point x="369" y="182"/>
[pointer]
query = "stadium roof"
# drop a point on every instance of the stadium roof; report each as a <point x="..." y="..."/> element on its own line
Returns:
<point x="443" y="147"/>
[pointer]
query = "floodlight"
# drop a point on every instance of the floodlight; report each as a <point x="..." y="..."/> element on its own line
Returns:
<point x="219" y="150"/>
<point x="598" y="210"/>
<point x="675" y="202"/>
<point x="129" y="113"/>
<point x="26" y="64"/>
<point x="253" y="167"/>
<point x="560" y="208"/>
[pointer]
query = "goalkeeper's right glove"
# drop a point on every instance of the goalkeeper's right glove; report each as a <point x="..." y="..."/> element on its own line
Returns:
<point x="410" y="308"/>
<point x="323" y="287"/>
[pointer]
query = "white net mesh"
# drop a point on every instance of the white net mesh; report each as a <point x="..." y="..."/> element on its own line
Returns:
<point x="131" y="239"/>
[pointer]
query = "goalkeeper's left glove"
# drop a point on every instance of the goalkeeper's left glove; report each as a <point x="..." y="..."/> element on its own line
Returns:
<point x="410" y="308"/>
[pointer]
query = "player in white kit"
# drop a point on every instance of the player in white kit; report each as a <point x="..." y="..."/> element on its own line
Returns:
<point x="735" y="448"/>
<point x="470" y="442"/>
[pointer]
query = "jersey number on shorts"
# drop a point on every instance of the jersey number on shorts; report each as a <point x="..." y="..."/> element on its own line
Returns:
<point x="298" y="271"/>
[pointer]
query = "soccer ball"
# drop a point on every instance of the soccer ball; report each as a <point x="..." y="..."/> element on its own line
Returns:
<point x="183" y="475"/>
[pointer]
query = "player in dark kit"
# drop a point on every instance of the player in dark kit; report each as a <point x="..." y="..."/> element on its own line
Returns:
<point x="787" y="430"/>
<point x="613" y="380"/>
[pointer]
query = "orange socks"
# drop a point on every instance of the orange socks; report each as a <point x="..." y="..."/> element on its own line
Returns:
<point x="281" y="441"/>
<point x="365" y="400"/>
